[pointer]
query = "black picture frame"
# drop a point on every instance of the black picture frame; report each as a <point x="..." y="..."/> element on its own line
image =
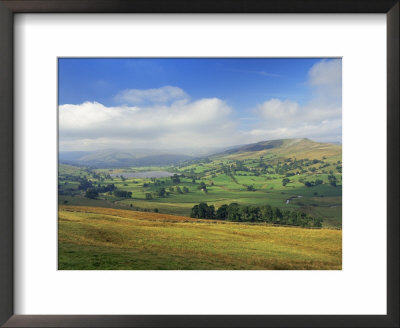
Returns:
<point x="10" y="7"/>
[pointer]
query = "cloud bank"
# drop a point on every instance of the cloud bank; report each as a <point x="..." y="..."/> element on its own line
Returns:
<point x="200" y="123"/>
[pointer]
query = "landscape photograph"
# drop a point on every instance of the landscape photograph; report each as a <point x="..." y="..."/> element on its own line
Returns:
<point x="200" y="164"/>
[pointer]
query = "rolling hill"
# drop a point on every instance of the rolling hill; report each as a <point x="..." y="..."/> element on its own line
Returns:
<point x="272" y="149"/>
<point x="121" y="158"/>
<point x="282" y="148"/>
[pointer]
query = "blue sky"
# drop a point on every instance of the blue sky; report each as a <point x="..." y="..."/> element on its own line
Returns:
<point x="108" y="103"/>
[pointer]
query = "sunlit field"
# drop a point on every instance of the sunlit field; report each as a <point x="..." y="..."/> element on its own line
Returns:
<point x="104" y="238"/>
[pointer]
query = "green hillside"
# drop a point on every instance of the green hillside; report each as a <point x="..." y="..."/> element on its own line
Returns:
<point x="283" y="148"/>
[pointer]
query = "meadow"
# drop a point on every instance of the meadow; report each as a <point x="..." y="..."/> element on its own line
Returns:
<point x="98" y="238"/>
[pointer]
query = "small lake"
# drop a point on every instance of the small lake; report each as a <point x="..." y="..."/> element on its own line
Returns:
<point x="149" y="174"/>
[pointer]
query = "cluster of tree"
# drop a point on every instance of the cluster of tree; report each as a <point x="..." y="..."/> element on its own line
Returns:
<point x="203" y="187"/>
<point x="96" y="175"/>
<point x="332" y="180"/>
<point x="69" y="177"/>
<point x="237" y="213"/>
<point x="290" y="165"/>
<point x="251" y="188"/>
<point x="324" y="165"/>
<point x="157" y="182"/>
<point x="239" y="166"/>
<point x="175" y="179"/>
<point x="84" y="184"/>
<point x="66" y="191"/>
<point x="294" y="166"/>
<point x="108" y="188"/>
<point x="184" y="190"/>
<point x="313" y="183"/>
<point x="91" y="193"/>
<point x="179" y="190"/>
<point x="162" y="192"/>
<point x="203" y="211"/>
<point x="123" y="193"/>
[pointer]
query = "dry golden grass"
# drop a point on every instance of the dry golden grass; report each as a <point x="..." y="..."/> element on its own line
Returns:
<point x="105" y="238"/>
<point x="127" y="214"/>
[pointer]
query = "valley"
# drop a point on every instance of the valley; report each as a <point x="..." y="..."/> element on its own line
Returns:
<point x="292" y="175"/>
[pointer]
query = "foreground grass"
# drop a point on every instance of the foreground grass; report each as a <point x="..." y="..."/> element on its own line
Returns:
<point x="105" y="239"/>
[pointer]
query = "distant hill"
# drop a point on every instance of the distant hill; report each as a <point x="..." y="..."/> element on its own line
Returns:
<point x="299" y="148"/>
<point x="118" y="158"/>
<point x="280" y="148"/>
<point x="262" y="145"/>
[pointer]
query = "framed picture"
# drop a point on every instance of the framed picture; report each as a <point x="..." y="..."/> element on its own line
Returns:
<point x="234" y="176"/>
<point x="166" y="166"/>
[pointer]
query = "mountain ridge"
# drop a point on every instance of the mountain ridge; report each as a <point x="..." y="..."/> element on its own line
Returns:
<point x="293" y="147"/>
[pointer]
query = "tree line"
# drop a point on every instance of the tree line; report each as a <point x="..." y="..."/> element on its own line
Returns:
<point x="241" y="213"/>
<point x="92" y="191"/>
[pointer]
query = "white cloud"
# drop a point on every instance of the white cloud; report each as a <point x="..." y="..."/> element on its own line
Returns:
<point x="319" y="119"/>
<point x="91" y="115"/>
<point x="326" y="72"/>
<point x="326" y="79"/>
<point x="326" y="131"/>
<point x="275" y="112"/>
<point x="277" y="109"/>
<point x="161" y="95"/>
<point x="200" y="123"/>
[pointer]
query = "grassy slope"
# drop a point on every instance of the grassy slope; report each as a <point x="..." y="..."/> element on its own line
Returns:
<point x="295" y="148"/>
<point x="105" y="238"/>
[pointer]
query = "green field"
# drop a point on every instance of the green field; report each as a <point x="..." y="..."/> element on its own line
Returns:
<point x="227" y="178"/>
<point x="95" y="238"/>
